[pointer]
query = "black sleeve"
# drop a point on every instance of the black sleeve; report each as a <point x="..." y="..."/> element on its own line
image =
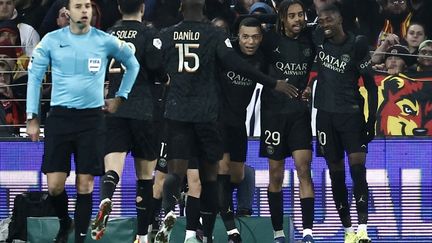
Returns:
<point x="362" y="55"/>
<point x="153" y="58"/>
<point x="231" y="60"/>
<point x="363" y="59"/>
<point x="372" y="91"/>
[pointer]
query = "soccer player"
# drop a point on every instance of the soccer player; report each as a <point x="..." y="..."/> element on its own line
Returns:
<point x="237" y="91"/>
<point x="285" y="122"/>
<point x="340" y="123"/>
<point x="78" y="56"/>
<point x="191" y="50"/>
<point x="131" y="127"/>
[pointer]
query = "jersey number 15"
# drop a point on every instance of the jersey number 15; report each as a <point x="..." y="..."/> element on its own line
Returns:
<point x="184" y="51"/>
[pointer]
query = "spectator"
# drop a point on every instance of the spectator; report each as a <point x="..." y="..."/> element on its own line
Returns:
<point x="261" y="8"/>
<point x="62" y="18"/>
<point x="167" y="13"/>
<point x="9" y="40"/>
<point x="416" y="34"/>
<point x="49" y="22"/>
<point x="29" y="36"/>
<point x="30" y="12"/>
<point x="424" y="61"/>
<point x="397" y="17"/>
<point x="96" y="20"/>
<point x="219" y="9"/>
<point x="347" y="10"/>
<point x="107" y="12"/>
<point x="421" y="9"/>
<point x="414" y="37"/>
<point x="4" y="130"/>
<point x="396" y="59"/>
<point x="243" y="6"/>
<point x="221" y="23"/>
<point x="14" y="111"/>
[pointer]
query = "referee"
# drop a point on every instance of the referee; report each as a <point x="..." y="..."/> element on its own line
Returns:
<point x="78" y="55"/>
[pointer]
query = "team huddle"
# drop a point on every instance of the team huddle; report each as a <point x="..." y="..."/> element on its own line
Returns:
<point x="194" y="117"/>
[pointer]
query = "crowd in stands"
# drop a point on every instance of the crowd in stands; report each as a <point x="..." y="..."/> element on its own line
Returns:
<point x="397" y="30"/>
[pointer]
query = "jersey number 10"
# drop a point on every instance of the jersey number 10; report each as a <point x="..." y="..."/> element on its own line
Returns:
<point x="184" y="51"/>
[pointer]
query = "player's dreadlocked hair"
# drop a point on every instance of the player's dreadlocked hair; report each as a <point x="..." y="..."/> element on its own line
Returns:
<point x="282" y="14"/>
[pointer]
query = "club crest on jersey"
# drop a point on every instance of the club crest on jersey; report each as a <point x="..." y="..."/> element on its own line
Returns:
<point x="307" y="52"/>
<point x="157" y="43"/>
<point x="345" y="58"/>
<point x="94" y="64"/>
<point x="228" y="43"/>
<point x="162" y="162"/>
<point x="270" y="150"/>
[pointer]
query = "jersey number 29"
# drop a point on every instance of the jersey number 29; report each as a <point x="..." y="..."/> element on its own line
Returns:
<point x="185" y="52"/>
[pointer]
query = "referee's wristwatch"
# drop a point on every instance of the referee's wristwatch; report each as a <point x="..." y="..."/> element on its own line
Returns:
<point x="31" y="116"/>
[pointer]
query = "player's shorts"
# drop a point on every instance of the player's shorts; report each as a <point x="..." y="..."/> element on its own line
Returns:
<point x="162" y="162"/>
<point x="235" y="141"/>
<point x="80" y="132"/>
<point x="136" y="136"/>
<point x="339" y="132"/>
<point x="281" y="134"/>
<point x="187" y="140"/>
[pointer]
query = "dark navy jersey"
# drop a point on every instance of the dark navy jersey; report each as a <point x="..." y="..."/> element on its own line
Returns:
<point x="339" y="69"/>
<point x="238" y="89"/>
<point x="289" y="59"/>
<point x="193" y="52"/>
<point x="139" y="105"/>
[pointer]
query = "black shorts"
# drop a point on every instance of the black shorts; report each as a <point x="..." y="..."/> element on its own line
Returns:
<point x="136" y="136"/>
<point x="235" y="141"/>
<point x="80" y="132"/>
<point x="339" y="132"/>
<point x="162" y="162"/>
<point x="188" y="140"/>
<point x="281" y="134"/>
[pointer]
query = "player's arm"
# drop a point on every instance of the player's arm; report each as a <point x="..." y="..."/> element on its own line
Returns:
<point x="364" y="66"/>
<point x="120" y="51"/>
<point x="231" y="60"/>
<point x="36" y="71"/>
<point x="307" y="90"/>
<point x="154" y="59"/>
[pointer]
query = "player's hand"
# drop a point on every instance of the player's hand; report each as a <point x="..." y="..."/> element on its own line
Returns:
<point x="370" y="129"/>
<point x="306" y="94"/>
<point x="286" y="88"/>
<point x="33" y="129"/>
<point x="111" y="105"/>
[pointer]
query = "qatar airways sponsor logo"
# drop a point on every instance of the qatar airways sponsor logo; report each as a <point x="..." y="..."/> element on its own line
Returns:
<point x="334" y="63"/>
<point x="237" y="79"/>
<point x="296" y="69"/>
